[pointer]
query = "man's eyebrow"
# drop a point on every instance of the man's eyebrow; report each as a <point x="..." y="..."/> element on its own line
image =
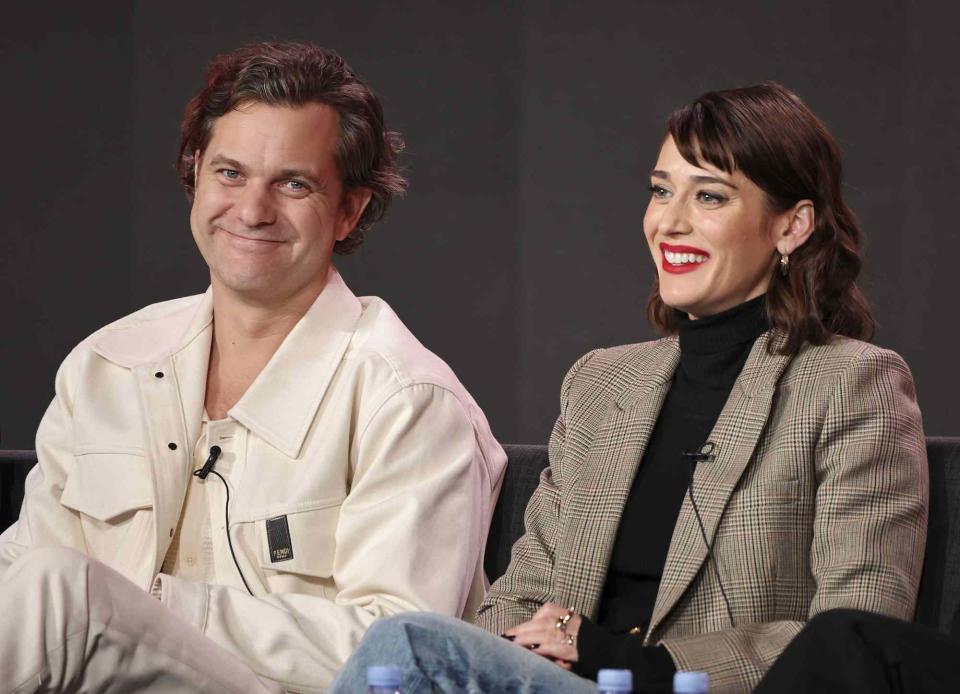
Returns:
<point x="221" y="160"/>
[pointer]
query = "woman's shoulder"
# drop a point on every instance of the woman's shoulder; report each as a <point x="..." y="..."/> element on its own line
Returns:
<point x="612" y="368"/>
<point x="841" y="355"/>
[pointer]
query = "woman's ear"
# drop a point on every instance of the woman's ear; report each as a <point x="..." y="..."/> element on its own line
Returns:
<point x="797" y="224"/>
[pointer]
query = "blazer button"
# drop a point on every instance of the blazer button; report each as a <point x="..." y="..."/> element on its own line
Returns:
<point x="172" y="446"/>
<point x="159" y="374"/>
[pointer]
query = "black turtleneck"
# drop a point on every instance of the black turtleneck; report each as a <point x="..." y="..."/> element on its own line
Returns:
<point x="713" y="351"/>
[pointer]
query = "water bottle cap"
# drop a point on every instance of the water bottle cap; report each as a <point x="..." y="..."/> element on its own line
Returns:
<point x="690" y="682"/>
<point x="615" y="681"/>
<point x="384" y="676"/>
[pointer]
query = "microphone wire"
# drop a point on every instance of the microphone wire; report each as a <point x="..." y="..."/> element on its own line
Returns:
<point x="202" y="474"/>
<point x="693" y="458"/>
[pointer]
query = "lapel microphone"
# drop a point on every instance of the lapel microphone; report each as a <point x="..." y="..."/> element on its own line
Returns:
<point x="208" y="466"/>
<point x="704" y="454"/>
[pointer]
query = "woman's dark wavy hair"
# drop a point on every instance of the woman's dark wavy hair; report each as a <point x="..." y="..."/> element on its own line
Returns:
<point x="294" y="74"/>
<point x="770" y="135"/>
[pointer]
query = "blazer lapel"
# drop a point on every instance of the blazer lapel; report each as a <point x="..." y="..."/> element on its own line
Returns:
<point x="590" y="514"/>
<point x="735" y="436"/>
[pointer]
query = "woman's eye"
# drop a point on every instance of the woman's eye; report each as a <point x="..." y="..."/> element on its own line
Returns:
<point x="710" y="198"/>
<point x="658" y="191"/>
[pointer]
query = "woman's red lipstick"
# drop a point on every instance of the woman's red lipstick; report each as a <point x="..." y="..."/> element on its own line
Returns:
<point x="678" y="268"/>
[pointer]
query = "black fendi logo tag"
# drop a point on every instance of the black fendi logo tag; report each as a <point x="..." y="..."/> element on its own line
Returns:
<point x="278" y="537"/>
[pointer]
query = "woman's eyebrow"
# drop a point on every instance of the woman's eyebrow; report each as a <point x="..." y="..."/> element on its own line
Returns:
<point x="713" y="179"/>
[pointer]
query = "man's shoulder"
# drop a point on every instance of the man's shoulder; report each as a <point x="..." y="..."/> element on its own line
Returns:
<point x="384" y="344"/>
<point x="152" y="312"/>
<point x="166" y="318"/>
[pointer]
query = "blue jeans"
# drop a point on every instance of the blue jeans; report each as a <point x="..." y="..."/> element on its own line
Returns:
<point x="442" y="654"/>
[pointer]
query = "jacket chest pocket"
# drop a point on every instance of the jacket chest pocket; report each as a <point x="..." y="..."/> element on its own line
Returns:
<point x="108" y="487"/>
<point x="299" y="544"/>
<point x="113" y="494"/>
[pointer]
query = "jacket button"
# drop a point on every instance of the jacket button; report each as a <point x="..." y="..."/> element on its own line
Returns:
<point x="172" y="446"/>
<point x="159" y="374"/>
<point x="171" y="532"/>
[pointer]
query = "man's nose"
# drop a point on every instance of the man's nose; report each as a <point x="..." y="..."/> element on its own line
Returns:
<point x="255" y="207"/>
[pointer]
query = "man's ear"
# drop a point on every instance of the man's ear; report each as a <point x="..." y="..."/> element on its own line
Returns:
<point x="797" y="225"/>
<point x="355" y="201"/>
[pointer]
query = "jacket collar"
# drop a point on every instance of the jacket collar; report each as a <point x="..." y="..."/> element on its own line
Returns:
<point x="602" y="483"/>
<point x="142" y="342"/>
<point x="280" y="404"/>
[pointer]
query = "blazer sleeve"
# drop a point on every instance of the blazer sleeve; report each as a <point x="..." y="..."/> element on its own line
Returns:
<point x="869" y="528"/>
<point x="528" y="581"/>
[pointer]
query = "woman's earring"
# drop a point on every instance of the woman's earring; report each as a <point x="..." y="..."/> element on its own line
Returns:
<point x="784" y="264"/>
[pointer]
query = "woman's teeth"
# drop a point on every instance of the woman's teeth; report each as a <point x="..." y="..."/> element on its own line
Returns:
<point x="683" y="258"/>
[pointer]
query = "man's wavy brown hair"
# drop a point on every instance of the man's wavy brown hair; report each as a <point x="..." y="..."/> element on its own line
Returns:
<point x="772" y="137"/>
<point x="294" y="74"/>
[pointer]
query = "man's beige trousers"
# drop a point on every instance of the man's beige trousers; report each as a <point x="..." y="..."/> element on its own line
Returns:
<point x="70" y="623"/>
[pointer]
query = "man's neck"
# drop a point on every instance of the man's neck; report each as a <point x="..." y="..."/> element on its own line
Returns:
<point x="246" y="334"/>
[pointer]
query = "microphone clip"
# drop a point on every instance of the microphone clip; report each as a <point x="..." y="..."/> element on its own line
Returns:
<point x="704" y="454"/>
<point x="208" y="466"/>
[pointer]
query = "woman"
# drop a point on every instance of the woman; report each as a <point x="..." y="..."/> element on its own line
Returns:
<point x="710" y="491"/>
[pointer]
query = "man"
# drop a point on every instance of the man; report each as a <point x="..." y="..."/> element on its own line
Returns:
<point x="340" y="470"/>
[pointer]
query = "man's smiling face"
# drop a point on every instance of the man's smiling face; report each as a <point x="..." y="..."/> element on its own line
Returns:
<point x="269" y="201"/>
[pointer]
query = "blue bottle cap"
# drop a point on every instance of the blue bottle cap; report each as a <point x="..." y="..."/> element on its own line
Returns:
<point x="615" y="681"/>
<point x="690" y="682"/>
<point x="384" y="676"/>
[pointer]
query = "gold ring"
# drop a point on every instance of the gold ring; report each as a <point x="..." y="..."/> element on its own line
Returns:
<point x="569" y="640"/>
<point x="561" y="624"/>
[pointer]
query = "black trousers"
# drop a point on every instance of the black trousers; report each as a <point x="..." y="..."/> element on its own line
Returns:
<point x="851" y="651"/>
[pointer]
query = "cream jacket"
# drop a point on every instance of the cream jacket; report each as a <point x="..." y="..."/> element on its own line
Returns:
<point x="382" y="463"/>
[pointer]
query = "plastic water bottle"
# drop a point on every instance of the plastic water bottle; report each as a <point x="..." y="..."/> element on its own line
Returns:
<point x="690" y="682"/>
<point x="614" y="682"/>
<point x="383" y="679"/>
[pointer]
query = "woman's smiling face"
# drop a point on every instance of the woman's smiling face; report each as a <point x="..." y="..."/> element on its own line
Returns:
<point x="712" y="234"/>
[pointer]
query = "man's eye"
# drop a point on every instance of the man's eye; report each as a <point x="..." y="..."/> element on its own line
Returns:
<point x="710" y="198"/>
<point x="231" y="174"/>
<point x="296" y="185"/>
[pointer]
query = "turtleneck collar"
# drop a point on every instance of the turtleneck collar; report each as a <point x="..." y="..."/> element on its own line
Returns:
<point x="713" y="349"/>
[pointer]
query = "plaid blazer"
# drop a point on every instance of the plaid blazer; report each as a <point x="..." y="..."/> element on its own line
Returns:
<point x="817" y="499"/>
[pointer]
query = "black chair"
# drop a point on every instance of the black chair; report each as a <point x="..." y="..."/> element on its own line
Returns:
<point x="939" y="598"/>
<point x="14" y="466"/>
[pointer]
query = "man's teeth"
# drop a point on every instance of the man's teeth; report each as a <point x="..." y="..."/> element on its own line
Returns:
<point x="683" y="258"/>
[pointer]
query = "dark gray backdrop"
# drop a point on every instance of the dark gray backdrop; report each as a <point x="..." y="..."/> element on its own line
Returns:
<point x="530" y="130"/>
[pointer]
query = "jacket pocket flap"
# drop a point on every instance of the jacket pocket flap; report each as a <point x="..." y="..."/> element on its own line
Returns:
<point x="301" y="543"/>
<point x="107" y="485"/>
